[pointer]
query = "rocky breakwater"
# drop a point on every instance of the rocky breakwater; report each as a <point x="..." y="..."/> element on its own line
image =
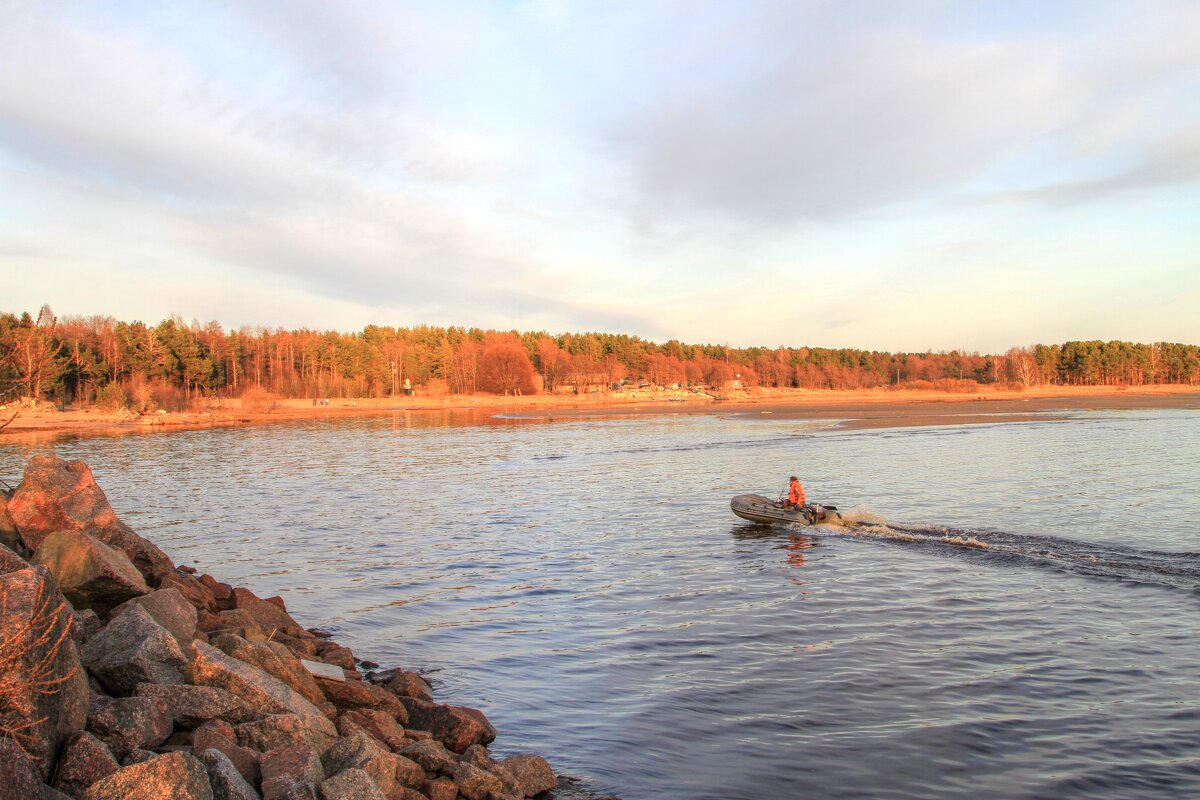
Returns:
<point x="124" y="677"/>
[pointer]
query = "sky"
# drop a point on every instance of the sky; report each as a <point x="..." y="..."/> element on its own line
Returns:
<point x="921" y="175"/>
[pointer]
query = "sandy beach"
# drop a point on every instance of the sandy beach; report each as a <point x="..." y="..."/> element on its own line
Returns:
<point x="875" y="408"/>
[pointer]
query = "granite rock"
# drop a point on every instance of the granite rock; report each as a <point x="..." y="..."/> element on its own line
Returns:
<point x="431" y="755"/>
<point x="219" y="735"/>
<point x="276" y="731"/>
<point x="84" y="760"/>
<point x="227" y="783"/>
<point x="57" y="495"/>
<point x="532" y="772"/>
<point x="264" y="693"/>
<point x="275" y="660"/>
<point x="410" y="684"/>
<point x="477" y="784"/>
<point x="47" y="689"/>
<point x="192" y="706"/>
<point x="354" y="695"/>
<point x="134" y="649"/>
<point x="170" y="609"/>
<point x="195" y="592"/>
<point x="381" y="726"/>
<point x="351" y="784"/>
<point x="173" y="776"/>
<point x="457" y="727"/>
<point x="129" y="723"/>
<point x="90" y="573"/>
<point x="359" y="752"/>
<point x="270" y="616"/>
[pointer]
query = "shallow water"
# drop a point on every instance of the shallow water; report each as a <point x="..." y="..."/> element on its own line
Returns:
<point x="585" y="584"/>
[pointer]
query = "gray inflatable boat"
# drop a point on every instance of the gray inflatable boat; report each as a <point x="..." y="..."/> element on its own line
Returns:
<point x="756" y="508"/>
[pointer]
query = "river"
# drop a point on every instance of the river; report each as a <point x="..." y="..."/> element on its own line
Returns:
<point x="584" y="583"/>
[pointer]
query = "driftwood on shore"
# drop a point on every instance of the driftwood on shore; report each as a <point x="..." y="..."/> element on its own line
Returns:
<point x="124" y="677"/>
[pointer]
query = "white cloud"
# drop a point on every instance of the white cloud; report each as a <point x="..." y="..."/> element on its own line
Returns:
<point x="892" y="118"/>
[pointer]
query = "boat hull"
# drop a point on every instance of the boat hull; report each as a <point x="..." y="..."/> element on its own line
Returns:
<point x="756" y="508"/>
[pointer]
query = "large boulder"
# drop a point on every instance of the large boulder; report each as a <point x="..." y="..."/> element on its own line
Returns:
<point x="336" y="654"/>
<point x="191" y="588"/>
<point x="173" y="776"/>
<point x="432" y="756"/>
<point x="512" y="788"/>
<point x="301" y="763"/>
<point x="171" y="609"/>
<point x="192" y="706"/>
<point x="152" y="562"/>
<point x="227" y="783"/>
<point x="457" y="727"/>
<point x="440" y="789"/>
<point x="90" y="573"/>
<point x="380" y="725"/>
<point x="359" y="752"/>
<point x="285" y="767"/>
<point x="477" y="756"/>
<point x="409" y="773"/>
<point x="353" y="695"/>
<point x="262" y="692"/>
<point x="58" y="495"/>
<point x="533" y="773"/>
<point x="45" y="694"/>
<point x="236" y="622"/>
<point x="221" y="592"/>
<point x="84" y="760"/>
<point x="477" y="784"/>
<point x="301" y="647"/>
<point x="129" y="723"/>
<point x="410" y="684"/>
<point x="275" y="732"/>
<point x="134" y="649"/>
<point x="269" y="614"/>
<point x="218" y="735"/>
<point x="274" y="659"/>
<point x="351" y="784"/>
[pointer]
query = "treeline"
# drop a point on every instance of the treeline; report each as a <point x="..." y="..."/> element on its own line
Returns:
<point x="100" y="360"/>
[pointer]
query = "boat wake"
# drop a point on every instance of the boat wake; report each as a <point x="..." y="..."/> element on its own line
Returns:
<point x="1177" y="569"/>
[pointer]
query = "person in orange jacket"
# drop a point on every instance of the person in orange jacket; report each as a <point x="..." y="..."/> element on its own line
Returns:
<point x="795" y="493"/>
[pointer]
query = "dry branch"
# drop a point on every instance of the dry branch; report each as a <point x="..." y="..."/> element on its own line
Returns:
<point x="18" y="677"/>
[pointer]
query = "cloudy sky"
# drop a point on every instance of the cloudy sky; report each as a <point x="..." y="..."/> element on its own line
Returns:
<point x="890" y="175"/>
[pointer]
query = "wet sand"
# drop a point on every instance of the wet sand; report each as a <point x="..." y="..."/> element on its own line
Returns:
<point x="851" y="411"/>
<point x="876" y="408"/>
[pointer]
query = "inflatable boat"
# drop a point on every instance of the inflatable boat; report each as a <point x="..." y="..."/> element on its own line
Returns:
<point x="756" y="508"/>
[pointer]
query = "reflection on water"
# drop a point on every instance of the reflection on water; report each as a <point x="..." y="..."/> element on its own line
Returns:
<point x="585" y="584"/>
<point x="798" y="543"/>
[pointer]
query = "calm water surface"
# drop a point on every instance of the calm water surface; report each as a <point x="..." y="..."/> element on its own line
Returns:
<point x="584" y="583"/>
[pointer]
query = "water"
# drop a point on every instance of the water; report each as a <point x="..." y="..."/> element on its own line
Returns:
<point x="584" y="583"/>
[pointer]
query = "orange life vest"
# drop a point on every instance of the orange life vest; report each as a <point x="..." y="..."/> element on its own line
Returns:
<point x="796" y="493"/>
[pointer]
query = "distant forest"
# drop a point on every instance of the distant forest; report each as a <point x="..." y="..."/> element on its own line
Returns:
<point x="102" y="361"/>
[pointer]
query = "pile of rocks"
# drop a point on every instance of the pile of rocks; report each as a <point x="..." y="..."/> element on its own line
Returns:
<point x="124" y="677"/>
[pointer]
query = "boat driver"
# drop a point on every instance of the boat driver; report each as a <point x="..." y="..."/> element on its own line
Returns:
<point x="795" y="494"/>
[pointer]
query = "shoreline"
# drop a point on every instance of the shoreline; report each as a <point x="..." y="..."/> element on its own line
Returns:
<point x="853" y="409"/>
